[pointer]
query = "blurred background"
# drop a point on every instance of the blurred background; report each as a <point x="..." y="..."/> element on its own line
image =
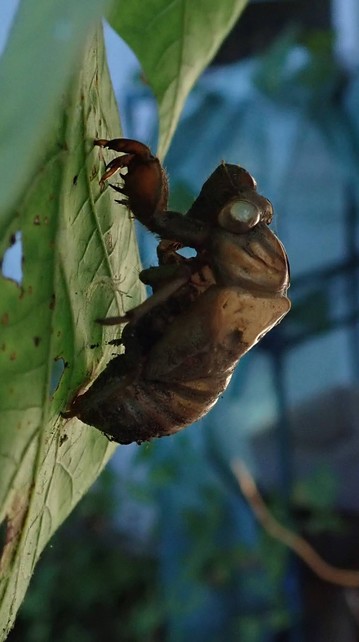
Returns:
<point x="166" y="548"/>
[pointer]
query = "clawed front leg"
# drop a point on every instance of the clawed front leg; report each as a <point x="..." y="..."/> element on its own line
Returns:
<point x="174" y="226"/>
<point x="114" y="166"/>
<point x="121" y="190"/>
<point x="126" y="145"/>
<point x="131" y="149"/>
<point x="145" y="183"/>
<point x="145" y="186"/>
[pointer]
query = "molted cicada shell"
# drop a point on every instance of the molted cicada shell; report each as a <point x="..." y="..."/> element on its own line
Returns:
<point x="182" y="345"/>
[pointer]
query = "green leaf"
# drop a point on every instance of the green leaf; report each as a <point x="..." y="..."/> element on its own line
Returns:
<point x="174" y="42"/>
<point x="44" y="47"/>
<point x="80" y="262"/>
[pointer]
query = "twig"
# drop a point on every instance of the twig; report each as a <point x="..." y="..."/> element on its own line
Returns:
<point x="296" y="543"/>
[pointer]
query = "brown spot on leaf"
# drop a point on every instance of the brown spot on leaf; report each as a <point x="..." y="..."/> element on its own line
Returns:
<point x="14" y="521"/>
<point x="63" y="438"/>
<point x="13" y="356"/>
<point x="36" y="341"/>
<point x="3" y="534"/>
<point x="29" y="289"/>
<point x="5" y="319"/>
<point x="37" y="220"/>
<point x="52" y="302"/>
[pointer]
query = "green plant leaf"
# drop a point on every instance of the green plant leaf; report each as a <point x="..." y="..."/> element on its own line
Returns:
<point x="80" y="262"/>
<point x="43" y="49"/>
<point x="174" y="42"/>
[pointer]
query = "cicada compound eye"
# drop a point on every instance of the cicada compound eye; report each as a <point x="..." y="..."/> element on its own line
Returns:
<point x="239" y="216"/>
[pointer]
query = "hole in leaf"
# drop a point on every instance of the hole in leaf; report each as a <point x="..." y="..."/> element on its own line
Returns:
<point x="12" y="260"/>
<point x="57" y="371"/>
<point x="187" y="252"/>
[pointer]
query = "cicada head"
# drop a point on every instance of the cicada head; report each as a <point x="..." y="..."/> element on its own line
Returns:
<point x="229" y="198"/>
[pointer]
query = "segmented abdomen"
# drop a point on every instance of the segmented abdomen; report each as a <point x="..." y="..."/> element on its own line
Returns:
<point x="138" y="410"/>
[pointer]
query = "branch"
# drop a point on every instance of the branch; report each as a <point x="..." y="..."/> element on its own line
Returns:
<point x="294" y="542"/>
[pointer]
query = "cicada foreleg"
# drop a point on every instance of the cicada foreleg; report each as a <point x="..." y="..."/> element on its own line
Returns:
<point x="126" y="145"/>
<point x="165" y="280"/>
